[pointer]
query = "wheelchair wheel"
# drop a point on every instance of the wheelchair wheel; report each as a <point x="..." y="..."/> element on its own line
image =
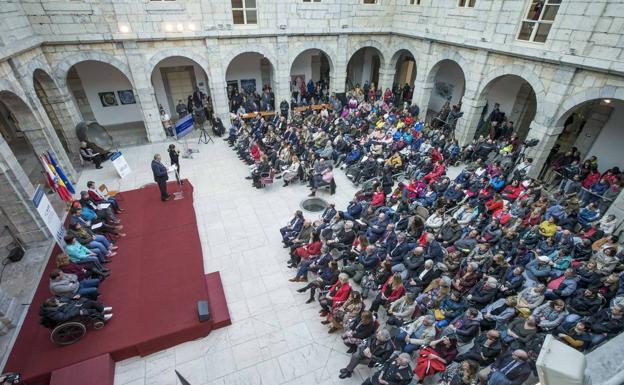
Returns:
<point x="68" y="333"/>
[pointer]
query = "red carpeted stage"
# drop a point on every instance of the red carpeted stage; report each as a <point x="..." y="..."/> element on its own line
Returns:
<point x="157" y="279"/>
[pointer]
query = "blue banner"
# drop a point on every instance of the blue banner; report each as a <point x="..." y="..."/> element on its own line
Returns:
<point x="184" y="126"/>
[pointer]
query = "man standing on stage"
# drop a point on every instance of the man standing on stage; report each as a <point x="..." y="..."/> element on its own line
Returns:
<point x="160" y="176"/>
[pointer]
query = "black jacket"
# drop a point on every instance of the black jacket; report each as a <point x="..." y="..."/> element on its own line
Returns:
<point x="516" y="373"/>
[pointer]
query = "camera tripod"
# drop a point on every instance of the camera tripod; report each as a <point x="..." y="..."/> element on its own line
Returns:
<point x="204" y="136"/>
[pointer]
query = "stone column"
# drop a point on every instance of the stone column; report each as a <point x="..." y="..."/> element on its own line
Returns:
<point x="46" y="132"/>
<point x="16" y="193"/>
<point x="68" y="117"/>
<point x="467" y="124"/>
<point x="338" y="79"/>
<point x="281" y="72"/>
<point x="422" y="91"/>
<point x="386" y="77"/>
<point x="547" y="138"/>
<point x="216" y="79"/>
<point x="144" y="91"/>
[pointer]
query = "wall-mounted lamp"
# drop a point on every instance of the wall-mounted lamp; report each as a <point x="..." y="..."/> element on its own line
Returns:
<point x="180" y="27"/>
<point x="282" y="26"/>
<point x="345" y="26"/>
<point x="124" y="28"/>
<point x="168" y="27"/>
<point x="192" y="26"/>
<point x="607" y="101"/>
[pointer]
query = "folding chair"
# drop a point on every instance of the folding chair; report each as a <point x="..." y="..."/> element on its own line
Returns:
<point x="110" y="193"/>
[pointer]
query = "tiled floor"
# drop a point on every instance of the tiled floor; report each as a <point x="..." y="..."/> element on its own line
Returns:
<point x="275" y="337"/>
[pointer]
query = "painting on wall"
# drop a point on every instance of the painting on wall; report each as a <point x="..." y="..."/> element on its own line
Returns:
<point x="249" y="85"/>
<point x="126" y="97"/>
<point x="444" y="90"/>
<point x="108" y="99"/>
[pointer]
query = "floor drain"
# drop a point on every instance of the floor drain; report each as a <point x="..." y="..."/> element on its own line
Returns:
<point x="313" y="204"/>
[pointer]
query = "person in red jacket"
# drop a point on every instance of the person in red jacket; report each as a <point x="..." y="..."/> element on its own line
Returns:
<point x="593" y="177"/>
<point x="438" y="169"/>
<point x="337" y="294"/>
<point x="379" y="198"/>
<point x="496" y="203"/>
<point x="307" y="251"/>
<point x="511" y="191"/>
<point x="255" y="152"/>
<point x="392" y="290"/>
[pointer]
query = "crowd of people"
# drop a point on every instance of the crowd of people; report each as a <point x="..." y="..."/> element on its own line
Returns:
<point x="93" y="228"/>
<point x="467" y="275"/>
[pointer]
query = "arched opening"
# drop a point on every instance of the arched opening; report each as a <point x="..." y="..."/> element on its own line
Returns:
<point x="310" y="74"/>
<point x="448" y="87"/>
<point x="510" y="108"/>
<point x="19" y="128"/>
<point x="363" y="67"/>
<point x="175" y="80"/>
<point x="50" y="98"/>
<point x="105" y="94"/>
<point x="249" y="78"/>
<point x="594" y="128"/>
<point x="404" y="76"/>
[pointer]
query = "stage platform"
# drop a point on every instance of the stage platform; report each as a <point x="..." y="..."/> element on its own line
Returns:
<point x="157" y="279"/>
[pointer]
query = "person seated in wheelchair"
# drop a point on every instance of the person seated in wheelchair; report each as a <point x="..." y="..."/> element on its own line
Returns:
<point x="262" y="169"/>
<point x="59" y="309"/>
<point x="325" y="178"/>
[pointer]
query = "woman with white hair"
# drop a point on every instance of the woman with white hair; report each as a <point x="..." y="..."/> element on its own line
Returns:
<point x="292" y="172"/>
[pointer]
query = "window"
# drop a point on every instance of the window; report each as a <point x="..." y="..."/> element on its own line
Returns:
<point x="538" y="21"/>
<point x="311" y="1"/>
<point x="244" y="12"/>
<point x="370" y="1"/>
<point x="417" y="2"/>
<point x="467" y="3"/>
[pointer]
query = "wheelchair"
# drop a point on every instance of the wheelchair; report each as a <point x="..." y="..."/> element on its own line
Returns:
<point x="71" y="331"/>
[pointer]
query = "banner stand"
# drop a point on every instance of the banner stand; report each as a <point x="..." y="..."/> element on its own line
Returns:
<point x="183" y="127"/>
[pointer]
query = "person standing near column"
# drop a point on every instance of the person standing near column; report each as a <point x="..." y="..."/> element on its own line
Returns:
<point x="160" y="177"/>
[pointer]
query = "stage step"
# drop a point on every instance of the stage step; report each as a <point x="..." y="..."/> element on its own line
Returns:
<point x="96" y="371"/>
<point x="219" y="313"/>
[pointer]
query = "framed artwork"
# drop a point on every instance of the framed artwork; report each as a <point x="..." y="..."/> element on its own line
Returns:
<point x="249" y="85"/>
<point x="108" y="98"/>
<point x="126" y="97"/>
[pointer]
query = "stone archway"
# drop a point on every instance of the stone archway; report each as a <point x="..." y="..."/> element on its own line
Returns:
<point x="311" y="64"/>
<point x="403" y="64"/>
<point x="365" y="65"/>
<point x="249" y="72"/>
<point x="175" y="77"/>
<point x="446" y="83"/>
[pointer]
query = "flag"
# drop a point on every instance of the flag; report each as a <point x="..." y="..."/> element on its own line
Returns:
<point x="61" y="174"/>
<point x="55" y="182"/>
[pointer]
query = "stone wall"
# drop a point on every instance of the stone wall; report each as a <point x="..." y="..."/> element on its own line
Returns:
<point x="581" y="60"/>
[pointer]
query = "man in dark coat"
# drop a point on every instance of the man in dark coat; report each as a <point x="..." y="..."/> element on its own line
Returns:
<point x="511" y="368"/>
<point x="160" y="177"/>
<point x="395" y="372"/>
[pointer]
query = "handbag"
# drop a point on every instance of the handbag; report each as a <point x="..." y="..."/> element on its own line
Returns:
<point x="439" y="314"/>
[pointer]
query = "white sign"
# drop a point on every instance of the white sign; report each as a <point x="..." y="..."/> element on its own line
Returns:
<point x="120" y="164"/>
<point x="47" y="213"/>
